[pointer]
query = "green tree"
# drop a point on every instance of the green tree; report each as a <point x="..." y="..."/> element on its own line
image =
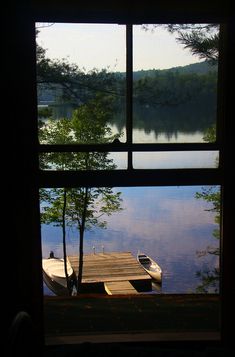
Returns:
<point x="56" y="213"/>
<point x="201" y="39"/>
<point x="210" y="278"/>
<point x="212" y="195"/>
<point x="82" y="207"/>
<point x="93" y="93"/>
<point x="66" y="82"/>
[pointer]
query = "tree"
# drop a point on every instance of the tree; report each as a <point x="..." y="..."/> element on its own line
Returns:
<point x="69" y="83"/>
<point x="210" y="278"/>
<point x="181" y="88"/>
<point x="82" y="207"/>
<point x="56" y="213"/>
<point x="93" y="93"/>
<point x="201" y="39"/>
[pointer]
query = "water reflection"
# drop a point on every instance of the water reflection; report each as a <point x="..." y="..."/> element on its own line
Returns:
<point x="167" y="223"/>
<point x="175" y="160"/>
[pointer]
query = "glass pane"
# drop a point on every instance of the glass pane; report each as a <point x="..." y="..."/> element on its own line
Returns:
<point x="175" y="83"/>
<point x="176" y="226"/>
<point x="176" y="160"/>
<point x="63" y="161"/>
<point x="81" y="79"/>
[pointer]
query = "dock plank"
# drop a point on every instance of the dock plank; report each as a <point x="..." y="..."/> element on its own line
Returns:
<point x="119" y="287"/>
<point x="111" y="267"/>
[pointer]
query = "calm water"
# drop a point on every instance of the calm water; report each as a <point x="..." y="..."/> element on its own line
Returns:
<point x="167" y="223"/>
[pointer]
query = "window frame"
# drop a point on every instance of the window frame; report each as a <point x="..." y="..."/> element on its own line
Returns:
<point x="200" y="13"/>
<point x="21" y="148"/>
<point x="132" y="176"/>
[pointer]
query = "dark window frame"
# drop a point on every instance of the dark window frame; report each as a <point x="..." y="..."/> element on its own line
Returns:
<point x="200" y="12"/>
<point x="21" y="148"/>
<point x="130" y="175"/>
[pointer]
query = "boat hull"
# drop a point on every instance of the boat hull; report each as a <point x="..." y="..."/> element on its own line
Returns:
<point x="150" y="266"/>
<point x="54" y="276"/>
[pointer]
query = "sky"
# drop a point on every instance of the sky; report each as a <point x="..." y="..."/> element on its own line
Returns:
<point x="102" y="46"/>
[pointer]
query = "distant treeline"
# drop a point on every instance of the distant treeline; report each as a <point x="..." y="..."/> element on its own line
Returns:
<point x="147" y="83"/>
<point x="163" y="100"/>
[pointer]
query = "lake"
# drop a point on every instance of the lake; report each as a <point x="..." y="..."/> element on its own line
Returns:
<point x="167" y="223"/>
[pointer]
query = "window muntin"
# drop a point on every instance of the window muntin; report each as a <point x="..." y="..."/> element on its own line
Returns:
<point x="94" y="161"/>
<point x="127" y="130"/>
<point x="128" y="175"/>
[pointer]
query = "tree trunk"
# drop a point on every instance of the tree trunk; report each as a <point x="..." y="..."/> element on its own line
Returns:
<point x="81" y="238"/>
<point x="64" y="240"/>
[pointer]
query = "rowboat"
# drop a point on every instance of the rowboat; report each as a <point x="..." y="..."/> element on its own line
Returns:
<point x="54" y="275"/>
<point x="150" y="266"/>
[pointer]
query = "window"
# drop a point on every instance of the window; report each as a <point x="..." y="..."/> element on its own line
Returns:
<point x="148" y="109"/>
<point x="164" y="131"/>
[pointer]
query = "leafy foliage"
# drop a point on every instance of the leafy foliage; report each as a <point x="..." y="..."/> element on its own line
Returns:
<point x="96" y="94"/>
<point x="81" y="207"/>
<point x="209" y="280"/>
<point x="201" y="45"/>
<point x="201" y="39"/>
<point x="69" y="83"/>
<point x="212" y="195"/>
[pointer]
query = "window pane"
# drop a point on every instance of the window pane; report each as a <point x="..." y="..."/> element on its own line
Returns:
<point x="175" y="82"/>
<point x="81" y="79"/>
<point x="176" y="160"/>
<point x="83" y="161"/>
<point x="177" y="226"/>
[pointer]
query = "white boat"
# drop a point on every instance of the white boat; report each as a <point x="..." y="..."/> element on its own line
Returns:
<point x="150" y="266"/>
<point x="54" y="275"/>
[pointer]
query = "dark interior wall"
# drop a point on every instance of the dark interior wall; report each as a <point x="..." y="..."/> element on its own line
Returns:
<point x="228" y="209"/>
<point x="134" y="11"/>
<point x="23" y="281"/>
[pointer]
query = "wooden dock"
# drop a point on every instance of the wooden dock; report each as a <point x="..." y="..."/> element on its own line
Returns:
<point x="115" y="273"/>
<point x="119" y="287"/>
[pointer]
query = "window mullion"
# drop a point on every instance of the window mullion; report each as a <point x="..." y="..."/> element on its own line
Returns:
<point x="129" y="90"/>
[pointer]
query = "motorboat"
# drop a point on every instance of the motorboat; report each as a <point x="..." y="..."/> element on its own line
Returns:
<point x="54" y="275"/>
